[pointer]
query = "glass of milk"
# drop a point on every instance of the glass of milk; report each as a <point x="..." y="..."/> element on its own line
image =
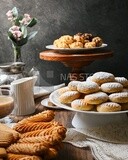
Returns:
<point x="6" y="105"/>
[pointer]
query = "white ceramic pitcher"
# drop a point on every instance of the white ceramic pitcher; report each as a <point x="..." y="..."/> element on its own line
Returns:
<point x="23" y="93"/>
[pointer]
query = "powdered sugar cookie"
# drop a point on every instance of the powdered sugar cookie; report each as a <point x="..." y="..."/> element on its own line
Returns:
<point x="122" y="80"/>
<point x="73" y="85"/>
<point x="120" y="97"/>
<point x="108" y="107"/>
<point x="111" y="87"/>
<point x="69" y="96"/>
<point x="88" y="87"/>
<point x="89" y="78"/>
<point x="96" y="98"/>
<point x="63" y="90"/>
<point x="103" y="77"/>
<point x="80" y="104"/>
<point x="125" y="90"/>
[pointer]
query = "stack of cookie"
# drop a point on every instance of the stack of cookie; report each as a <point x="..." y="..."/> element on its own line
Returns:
<point x="7" y="137"/>
<point x="102" y="92"/>
<point x="40" y="138"/>
<point x="79" y="40"/>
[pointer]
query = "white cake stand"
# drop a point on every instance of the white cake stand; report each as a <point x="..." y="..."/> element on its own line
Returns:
<point x="82" y="120"/>
<point x="87" y="119"/>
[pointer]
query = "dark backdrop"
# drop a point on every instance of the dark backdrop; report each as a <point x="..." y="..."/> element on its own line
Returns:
<point x="106" y="18"/>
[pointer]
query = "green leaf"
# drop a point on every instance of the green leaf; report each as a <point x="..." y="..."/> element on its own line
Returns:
<point x="24" y="31"/>
<point x="22" y="41"/>
<point x="15" y="12"/>
<point x="32" y="22"/>
<point x="10" y="36"/>
<point x="15" y="42"/>
<point x="32" y="35"/>
<point x="17" y="23"/>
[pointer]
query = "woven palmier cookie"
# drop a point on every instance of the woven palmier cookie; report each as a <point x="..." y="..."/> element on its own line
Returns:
<point x="108" y="107"/>
<point x="43" y="132"/>
<point x="122" y="80"/>
<point x="111" y="87"/>
<point x="87" y="87"/>
<point x="27" y="127"/>
<point x="103" y="77"/>
<point x="45" y="116"/>
<point x="120" y="97"/>
<point x="80" y="104"/>
<point x="12" y="156"/>
<point x="27" y="148"/>
<point x="73" y="85"/>
<point x="69" y="96"/>
<point x="48" y="140"/>
<point x="96" y="98"/>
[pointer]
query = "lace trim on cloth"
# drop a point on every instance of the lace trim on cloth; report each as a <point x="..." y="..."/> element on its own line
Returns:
<point x="106" y="143"/>
<point x="115" y="133"/>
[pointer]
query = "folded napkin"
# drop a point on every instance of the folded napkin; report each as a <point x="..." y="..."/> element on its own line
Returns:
<point x="40" y="91"/>
<point x="109" y="142"/>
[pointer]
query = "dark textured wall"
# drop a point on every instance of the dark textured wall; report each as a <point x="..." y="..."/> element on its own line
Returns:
<point x="106" y="18"/>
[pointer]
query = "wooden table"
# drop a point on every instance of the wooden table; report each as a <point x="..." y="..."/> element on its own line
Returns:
<point x="68" y="152"/>
<point x="76" y="60"/>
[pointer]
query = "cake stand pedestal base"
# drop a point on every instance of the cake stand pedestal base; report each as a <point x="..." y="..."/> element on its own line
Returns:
<point x="82" y="120"/>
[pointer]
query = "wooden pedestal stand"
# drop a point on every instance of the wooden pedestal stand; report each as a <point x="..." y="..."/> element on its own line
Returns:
<point x="75" y="60"/>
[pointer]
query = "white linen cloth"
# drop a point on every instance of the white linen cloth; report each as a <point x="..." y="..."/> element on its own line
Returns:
<point x="40" y="91"/>
<point x="109" y="142"/>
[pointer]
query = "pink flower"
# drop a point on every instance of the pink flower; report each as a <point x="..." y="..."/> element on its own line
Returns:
<point x="10" y="15"/>
<point x="26" y="19"/>
<point x="15" y="28"/>
<point x="17" y="35"/>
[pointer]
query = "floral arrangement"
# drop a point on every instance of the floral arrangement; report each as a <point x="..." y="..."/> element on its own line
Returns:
<point x="18" y="32"/>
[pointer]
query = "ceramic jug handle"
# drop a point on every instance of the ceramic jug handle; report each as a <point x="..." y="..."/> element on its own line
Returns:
<point x="5" y="86"/>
